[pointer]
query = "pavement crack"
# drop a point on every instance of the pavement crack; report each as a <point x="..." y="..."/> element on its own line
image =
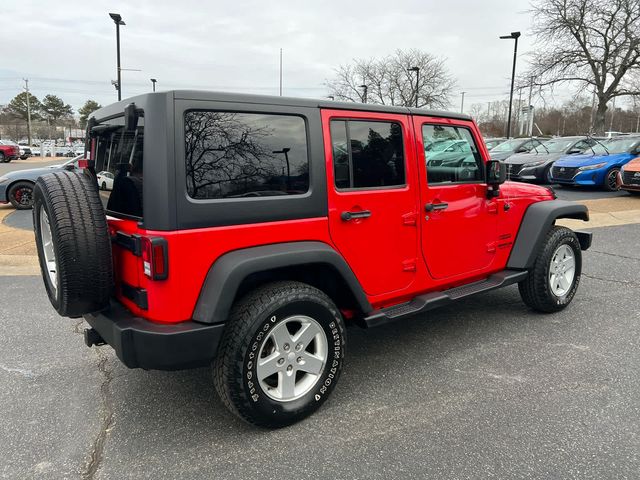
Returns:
<point x="610" y="280"/>
<point x="97" y="448"/>
<point x="614" y="255"/>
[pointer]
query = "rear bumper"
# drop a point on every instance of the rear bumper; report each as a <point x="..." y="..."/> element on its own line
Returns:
<point x="139" y="343"/>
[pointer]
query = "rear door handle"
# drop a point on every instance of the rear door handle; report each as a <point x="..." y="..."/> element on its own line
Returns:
<point x="346" y="216"/>
<point x="430" y="207"/>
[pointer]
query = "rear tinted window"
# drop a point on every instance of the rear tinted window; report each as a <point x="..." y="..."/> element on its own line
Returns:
<point x="367" y="154"/>
<point x="120" y="153"/>
<point x="235" y="155"/>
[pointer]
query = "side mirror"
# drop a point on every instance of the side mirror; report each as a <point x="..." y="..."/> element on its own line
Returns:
<point x="496" y="173"/>
<point x="522" y="150"/>
<point x="574" y="151"/>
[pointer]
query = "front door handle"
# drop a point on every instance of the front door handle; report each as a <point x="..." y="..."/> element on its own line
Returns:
<point x="430" y="207"/>
<point x="346" y="216"/>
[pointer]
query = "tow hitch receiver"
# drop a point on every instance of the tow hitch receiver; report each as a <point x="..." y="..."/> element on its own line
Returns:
<point x="92" y="337"/>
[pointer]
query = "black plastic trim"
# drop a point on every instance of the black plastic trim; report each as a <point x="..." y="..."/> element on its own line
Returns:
<point x="584" y="238"/>
<point x="139" y="343"/>
<point x="128" y="242"/>
<point x="136" y="295"/>
<point x="228" y="272"/>
<point x="536" y="222"/>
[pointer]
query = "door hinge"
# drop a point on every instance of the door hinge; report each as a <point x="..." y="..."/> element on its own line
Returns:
<point x="410" y="219"/>
<point x="409" y="265"/>
<point x="128" y="242"/>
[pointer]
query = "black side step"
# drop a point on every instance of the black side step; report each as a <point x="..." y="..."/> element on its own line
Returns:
<point x="429" y="301"/>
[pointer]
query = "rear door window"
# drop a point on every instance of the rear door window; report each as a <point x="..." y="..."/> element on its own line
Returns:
<point x="367" y="154"/>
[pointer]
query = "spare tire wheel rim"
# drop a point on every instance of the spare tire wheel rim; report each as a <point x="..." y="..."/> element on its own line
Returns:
<point x="46" y="238"/>
<point x="290" y="364"/>
<point x="562" y="270"/>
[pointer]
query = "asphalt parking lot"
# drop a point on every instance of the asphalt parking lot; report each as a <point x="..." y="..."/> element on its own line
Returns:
<point x="482" y="389"/>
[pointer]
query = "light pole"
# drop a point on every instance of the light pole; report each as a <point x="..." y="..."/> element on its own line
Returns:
<point x="512" y="36"/>
<point x="286" y="151"/>
<point x="417" y="70"/>
<point x="462" y="103"/>
<point x="364" y="93"/>
<point x="153" y="82"/>
<point x="117" y="19"/>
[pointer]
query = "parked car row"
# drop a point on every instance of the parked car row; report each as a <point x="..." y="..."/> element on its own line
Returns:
<point x="570" y="161"/>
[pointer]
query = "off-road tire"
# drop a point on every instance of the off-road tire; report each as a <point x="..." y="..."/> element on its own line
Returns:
<point x="250" y="320"/>
<point x="81" y="242"/>
<point x="16" y="193"/>
<point x="535" y="290"/>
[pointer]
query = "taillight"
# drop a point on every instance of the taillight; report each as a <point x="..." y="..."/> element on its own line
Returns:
<point x="155" y="260"/>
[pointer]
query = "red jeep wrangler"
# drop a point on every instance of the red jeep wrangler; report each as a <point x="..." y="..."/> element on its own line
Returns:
<point x="245" y="231"/>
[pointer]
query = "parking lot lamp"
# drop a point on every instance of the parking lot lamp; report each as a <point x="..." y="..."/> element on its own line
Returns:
<point x="417" y="70"/>
<point x="117" y="19"/>
<point x="286" y="151"/>
<point x="153" y="82"/>
<point x="514" y="36"/>
<point x="364" y="93"/>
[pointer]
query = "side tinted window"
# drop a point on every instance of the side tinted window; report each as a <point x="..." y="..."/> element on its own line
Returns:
<point x="451" y="154"/>
<point x="367" y="154"/>
<point x="234" y="155"/>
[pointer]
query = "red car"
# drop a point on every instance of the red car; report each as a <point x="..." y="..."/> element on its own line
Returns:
<point x="245" y="232"/>
<point x="8" y="151"/>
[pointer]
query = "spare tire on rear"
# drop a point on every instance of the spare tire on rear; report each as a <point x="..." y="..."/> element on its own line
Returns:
<point x="74" y="246"/>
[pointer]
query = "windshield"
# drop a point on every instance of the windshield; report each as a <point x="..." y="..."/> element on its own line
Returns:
<point x="621" y="145"/>
<point x="558" y="145"/>
<point x="507" y="146"/>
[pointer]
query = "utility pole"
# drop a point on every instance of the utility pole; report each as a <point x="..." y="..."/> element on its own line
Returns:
<point x="462" y="103"/>
<point x="530" y="110"/>
<point x="613" y="111"/>
<point x="26" y="89"/>
<point x="280" y="72"/>
<point x="519" y="111"/>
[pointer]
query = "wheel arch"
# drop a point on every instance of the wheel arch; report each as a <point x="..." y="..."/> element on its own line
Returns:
<point x="536" y="222"/>
<point x="239" y="271"/>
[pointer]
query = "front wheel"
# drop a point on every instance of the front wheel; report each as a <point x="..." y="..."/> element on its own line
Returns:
<point x="611" y="180"/>
<point x="281" y="354"/>
<point x="555" y="276"/>
<point x="3" y="158"/>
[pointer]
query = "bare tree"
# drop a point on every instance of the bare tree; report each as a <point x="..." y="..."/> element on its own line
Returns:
<point x="390" y="81"/>
<point x="593" y="43"/>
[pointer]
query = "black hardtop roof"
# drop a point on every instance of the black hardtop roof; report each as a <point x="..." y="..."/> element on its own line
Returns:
<point x="246" y="98"/>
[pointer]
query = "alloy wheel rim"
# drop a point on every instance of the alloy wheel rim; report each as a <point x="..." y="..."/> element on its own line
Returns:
<point x="562" y="270"/>
<point x="611" y="179"/>
<point x="46" y="239"/>
<point x="23" y="196"/>
<point x="292" y="358"/>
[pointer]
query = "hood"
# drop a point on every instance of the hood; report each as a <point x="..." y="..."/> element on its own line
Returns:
<point x="520" y="158"/>
<point x="586" y="160"/>
<point x="500" y="155"/>
<point x="633" y="165"/>
<point x="32" y="173"/>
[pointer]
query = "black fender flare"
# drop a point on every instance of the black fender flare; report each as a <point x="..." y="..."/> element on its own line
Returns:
<point x="227" y="273"/>
<point x="536" y="222"/>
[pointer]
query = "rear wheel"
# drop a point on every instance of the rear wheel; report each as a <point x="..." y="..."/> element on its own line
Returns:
<point x="21" y="195"/>
<point x="555" y="276"/>
<point x="547" y="175"/>
<point x="4" y="158"/>
<point x="72" y="238"/>
<point x="610" y="181"/>
<point x="103" y="186"/>
<point x="281" y="354"/>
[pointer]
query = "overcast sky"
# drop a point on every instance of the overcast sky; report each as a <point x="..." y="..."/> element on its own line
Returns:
<point x="67" y="48"/>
